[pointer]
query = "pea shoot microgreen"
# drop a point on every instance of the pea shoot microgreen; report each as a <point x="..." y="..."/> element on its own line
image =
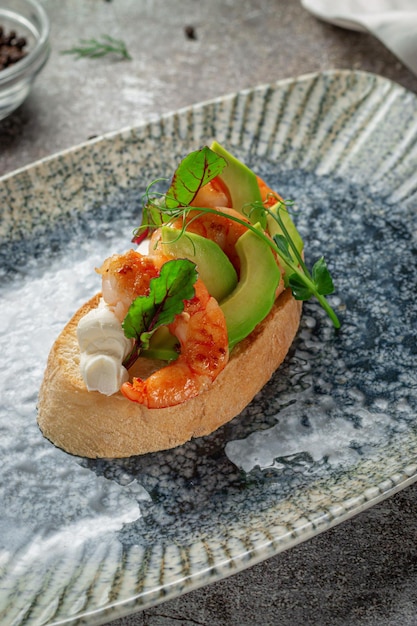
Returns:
<point x="199" y="168"/>
<point x="303" y="284"/>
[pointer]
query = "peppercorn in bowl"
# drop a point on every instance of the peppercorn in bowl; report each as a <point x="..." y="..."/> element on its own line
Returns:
<point x="24" y="50"/>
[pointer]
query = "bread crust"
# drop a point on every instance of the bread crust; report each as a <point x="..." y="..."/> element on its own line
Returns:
<point x="92" y="425"/>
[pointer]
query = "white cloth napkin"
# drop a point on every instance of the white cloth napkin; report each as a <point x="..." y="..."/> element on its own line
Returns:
<point x="394" y="22"/>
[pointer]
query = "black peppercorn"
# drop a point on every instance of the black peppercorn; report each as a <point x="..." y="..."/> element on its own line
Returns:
<point x="190" y="32"/>
<point x="11" y="48"/>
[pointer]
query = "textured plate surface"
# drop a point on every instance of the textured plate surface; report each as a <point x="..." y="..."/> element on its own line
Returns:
<point x="83" y="542"/>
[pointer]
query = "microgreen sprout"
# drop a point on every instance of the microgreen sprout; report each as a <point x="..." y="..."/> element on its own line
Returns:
<point x="303" y="284"/>
<point x="166" y="208"/>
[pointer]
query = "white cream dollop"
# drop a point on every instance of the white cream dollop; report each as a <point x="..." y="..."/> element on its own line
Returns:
<point x="103" y="346"/>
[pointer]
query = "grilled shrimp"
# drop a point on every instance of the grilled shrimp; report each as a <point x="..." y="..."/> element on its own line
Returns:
<point x="212" y="194"/>
<point x="217" y="227"/>
<point x="268" y="196"/>
<point x="124" y="278"/>
<point x="200" y="329"/>
<point x="202" y="333"/>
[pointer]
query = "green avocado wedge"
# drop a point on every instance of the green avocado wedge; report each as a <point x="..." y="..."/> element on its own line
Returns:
<point x="162" y="346"/>
<point x="242" y="185"/>
<point x="254" y="295"/>
<point x="213" y="266"/>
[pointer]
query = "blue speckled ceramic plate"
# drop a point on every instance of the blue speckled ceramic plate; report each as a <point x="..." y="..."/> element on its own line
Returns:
<point x="82" y="541"/>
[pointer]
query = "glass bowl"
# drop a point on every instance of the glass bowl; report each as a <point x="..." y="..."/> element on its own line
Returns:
<point x="29" y="20"/>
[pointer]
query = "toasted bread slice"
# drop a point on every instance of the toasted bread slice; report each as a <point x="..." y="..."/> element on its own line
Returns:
<point x="92" y="425"/>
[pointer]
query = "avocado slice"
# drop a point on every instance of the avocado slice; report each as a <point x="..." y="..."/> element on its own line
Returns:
<point x="162" y="346"/>
<point x="242" y="185"/>
<point x="213" y="266"/>
<point x="254" y="295"/>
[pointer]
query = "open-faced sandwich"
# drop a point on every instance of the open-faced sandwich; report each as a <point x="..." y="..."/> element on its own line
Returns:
<point x="185" y="333"/>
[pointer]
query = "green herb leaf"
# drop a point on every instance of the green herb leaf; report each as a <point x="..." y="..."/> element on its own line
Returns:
<point x="194" y="171"/>
<point x="322" y="278"/>
<point x="283" y="246"/>
<point x="300" y="290"/>
<point x="164" y="301"/>
<point x="94" y="49"/>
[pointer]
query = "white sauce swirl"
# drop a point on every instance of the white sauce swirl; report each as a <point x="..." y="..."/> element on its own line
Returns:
<point x="103" y="347"/>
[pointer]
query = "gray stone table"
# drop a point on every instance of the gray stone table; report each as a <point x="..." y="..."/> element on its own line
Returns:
<point x="365" y="570"/>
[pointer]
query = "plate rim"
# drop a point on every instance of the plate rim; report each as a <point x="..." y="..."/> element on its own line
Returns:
<point x="311" y="527"/>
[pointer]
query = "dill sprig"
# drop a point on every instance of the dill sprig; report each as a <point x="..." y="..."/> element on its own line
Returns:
<point x="94" y="49"/>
